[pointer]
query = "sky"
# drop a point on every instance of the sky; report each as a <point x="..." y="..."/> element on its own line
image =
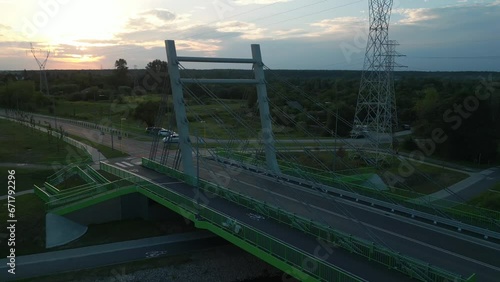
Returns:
<point x="434" y="35"/>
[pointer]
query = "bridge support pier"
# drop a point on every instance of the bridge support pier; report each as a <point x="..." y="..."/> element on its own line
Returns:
<point x="265" y="115"/>
<point x="180" y="111"/>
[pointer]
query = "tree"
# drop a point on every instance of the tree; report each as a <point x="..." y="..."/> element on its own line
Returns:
<point x="120" y="77"/>
<point x="147" y="112"/>
<point x="121" y="65"/>
<point x="157" y="66"/>
<point x="156" y="77"/>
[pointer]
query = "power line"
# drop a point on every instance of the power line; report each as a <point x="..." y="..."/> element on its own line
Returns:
<point x="454" y="57"/>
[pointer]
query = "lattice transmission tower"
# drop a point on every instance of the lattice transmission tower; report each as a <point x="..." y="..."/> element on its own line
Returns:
<point x="376" y="115"/>
<point x="44" y="85"/>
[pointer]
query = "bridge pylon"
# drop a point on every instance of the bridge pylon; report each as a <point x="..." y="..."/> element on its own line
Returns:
<point x="259" y="81"/>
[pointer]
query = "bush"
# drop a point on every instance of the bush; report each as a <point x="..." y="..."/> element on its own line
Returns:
<point x="77" y="96"/>
<point x="65" y="88"/>
<point x="125" y="90"/>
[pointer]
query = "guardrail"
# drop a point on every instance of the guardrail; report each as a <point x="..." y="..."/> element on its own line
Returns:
<point x="80" y="123"/>
<point x="272" y="249"/>
<point x="58" y="176"/>
<point x="95" y="175"/>
<point x="44" y="196"/>
<point x="72" y="197"/>
<point x="412" y="267"/>
<point x="484" y="225"/>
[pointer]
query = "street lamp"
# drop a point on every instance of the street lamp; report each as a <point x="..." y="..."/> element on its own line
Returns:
<point x="121" y="131"/>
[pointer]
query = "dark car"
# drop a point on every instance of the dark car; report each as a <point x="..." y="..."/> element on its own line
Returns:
<point x="153" y="129"/>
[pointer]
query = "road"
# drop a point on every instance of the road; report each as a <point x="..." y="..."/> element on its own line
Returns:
<point x="450" y="250"/>
<point x="108" y="254"/>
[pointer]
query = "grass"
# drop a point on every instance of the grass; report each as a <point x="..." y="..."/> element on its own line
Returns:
<point x="436" y="178"/>
<point x="20" y="144"/>
<point x="489" y="199"/>
<point x="108" y="152"/>
<point x="27" y="177"/>
<point x="106" y="113"/>
<point x="73" y="181"/>
<point x="30" y="226"/>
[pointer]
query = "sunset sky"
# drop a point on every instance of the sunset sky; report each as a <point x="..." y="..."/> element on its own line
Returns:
<point x="293" y="34"/>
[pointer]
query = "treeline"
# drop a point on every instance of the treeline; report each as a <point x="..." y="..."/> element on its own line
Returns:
<point x="457" y="112"/>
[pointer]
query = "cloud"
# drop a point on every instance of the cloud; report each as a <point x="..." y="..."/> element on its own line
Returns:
<point x="450" y="17"/>
<point x="249" y="31"/>
<point x="340" y="26"/>
<point x="161" y="14"/>
<point x="258" y="2"/>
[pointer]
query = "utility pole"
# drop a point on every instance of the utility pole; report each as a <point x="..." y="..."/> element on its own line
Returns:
<point x="375" y="114"/>
<point x="44" y="85"/>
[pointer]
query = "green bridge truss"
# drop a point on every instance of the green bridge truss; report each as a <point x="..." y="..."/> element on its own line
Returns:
<point x="274" y="251"/>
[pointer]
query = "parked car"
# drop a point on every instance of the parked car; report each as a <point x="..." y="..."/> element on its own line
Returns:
<point x="166" y="132"/>
<point x="172" y="138"/>
<point x="153" y="129"/>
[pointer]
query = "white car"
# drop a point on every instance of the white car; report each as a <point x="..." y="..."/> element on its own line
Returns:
<point x="173" y="138"/>
<point x="165" y="132"/>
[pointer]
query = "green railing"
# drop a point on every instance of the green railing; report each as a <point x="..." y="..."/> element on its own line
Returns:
<point x="409" y="266"/>
<point x="273" y="250"/>
<point x="40" y="193"/>
<point x="60" y="175"/>
<point x="95" y="175"/>
<point x="475" y="216"/>
<point x="72" y="197"/>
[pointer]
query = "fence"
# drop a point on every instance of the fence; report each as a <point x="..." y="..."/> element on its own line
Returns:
<point x="412" y="267"/>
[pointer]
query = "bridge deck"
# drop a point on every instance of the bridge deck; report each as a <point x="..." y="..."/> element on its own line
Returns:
<point x="339" y="257"/>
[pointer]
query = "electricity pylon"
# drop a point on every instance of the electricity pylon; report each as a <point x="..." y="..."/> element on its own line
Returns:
<point x="376" y="114"/>
<point x="44" y="85"/>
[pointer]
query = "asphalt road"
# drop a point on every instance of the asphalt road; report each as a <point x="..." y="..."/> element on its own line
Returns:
<point x="450" y="250"/>
<point x="108" y="254"/>
<point x="447" y="249"/>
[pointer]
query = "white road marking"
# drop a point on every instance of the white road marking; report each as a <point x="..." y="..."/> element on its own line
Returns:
<point x="383" y="230"/>
<point x="120" y="164"/>
<point x="127" y="164"/>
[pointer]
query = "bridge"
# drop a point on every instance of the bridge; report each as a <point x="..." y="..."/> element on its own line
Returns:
<point x="314" y="223"/>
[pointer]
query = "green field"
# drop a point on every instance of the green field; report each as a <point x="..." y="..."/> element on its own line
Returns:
<point x="20" y="144"/>
<point x="30" y="226"/>
<point x="426" y="179"/>
<point x="27" y="177"/>
<point x="108" y="152"/>
<point x="489" y="199"/>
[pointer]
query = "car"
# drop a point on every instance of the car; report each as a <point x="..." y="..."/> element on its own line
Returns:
<point x="172" y="138"/>
<point x="166" y="132"/>
<point x="153" y="129"/>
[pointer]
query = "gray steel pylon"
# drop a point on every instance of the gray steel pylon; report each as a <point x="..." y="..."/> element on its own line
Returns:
<point x="375" y="110"/>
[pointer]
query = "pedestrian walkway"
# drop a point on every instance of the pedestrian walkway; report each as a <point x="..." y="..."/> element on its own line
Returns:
<point x="449" y="195"/>
<point x="35" y="166"/>
<point x="54" y="262"/>
<point x="18" y="194"/>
